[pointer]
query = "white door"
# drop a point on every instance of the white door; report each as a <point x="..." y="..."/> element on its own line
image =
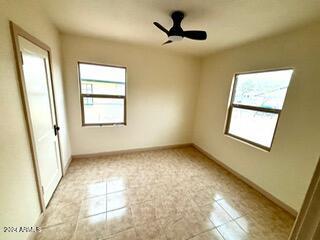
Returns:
<point x="38" y="88"/>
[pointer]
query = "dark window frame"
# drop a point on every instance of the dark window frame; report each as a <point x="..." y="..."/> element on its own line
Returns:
<point x="232" y="105"/>
<point x="108" y="96"/>
<point x="90" y="102"/>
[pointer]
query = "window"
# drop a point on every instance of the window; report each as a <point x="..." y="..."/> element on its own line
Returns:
<point x="103" y="94"/>
<point x="87" y="88"/>
<point x="256" y="103"/>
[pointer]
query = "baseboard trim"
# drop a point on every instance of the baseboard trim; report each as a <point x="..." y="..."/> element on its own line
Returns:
<point x="32" y="235"/>
<point x="268" y="195"/>
<point x="134" y="150"/>
<point x="65" y="168"/>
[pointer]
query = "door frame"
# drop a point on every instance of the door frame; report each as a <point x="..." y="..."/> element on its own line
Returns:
<point x="17" y="32"/>
<point x="302" y="227"/>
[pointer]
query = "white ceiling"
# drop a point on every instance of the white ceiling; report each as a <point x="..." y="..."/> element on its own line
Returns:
<point x="227" y="22"/>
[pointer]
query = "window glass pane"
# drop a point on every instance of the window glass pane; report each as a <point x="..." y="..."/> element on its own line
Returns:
<point x="97" y="79"/>
<point x="103" y="110"/>
<point x="263" y="89"/>
<point x="102" y="88"/>
<point x="255" y="126"/>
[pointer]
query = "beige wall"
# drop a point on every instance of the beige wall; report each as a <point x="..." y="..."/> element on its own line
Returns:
<point x="19" y="205"/>
<point x="162" y="95"/>
<point x="284" y="172"/>
<point x="162" y="89"/>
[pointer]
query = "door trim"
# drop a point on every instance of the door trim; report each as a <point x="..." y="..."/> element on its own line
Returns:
<point x="17" y="31"/>
<point x="302" y="225"/>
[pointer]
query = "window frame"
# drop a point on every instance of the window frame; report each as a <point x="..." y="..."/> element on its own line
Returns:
<point x="108" y="96"/>
<point x="232" y="105"/>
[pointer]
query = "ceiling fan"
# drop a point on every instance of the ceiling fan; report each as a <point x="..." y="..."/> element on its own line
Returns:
<point x="176" y="33"/>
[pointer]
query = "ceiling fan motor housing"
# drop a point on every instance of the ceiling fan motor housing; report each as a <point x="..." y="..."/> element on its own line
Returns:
<point x="176" y="32"/>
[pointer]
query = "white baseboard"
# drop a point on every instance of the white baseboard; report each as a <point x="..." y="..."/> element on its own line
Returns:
<point x="65" y="168"/>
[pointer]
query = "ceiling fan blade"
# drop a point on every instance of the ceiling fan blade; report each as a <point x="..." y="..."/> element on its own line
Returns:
<point x="158" y="25"/>
<point x="195" y="35"/>
<point x="169" y="41"/>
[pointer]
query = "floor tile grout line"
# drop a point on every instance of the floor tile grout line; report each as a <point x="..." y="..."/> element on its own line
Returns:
<point x="77" y="223"/>
<point x="153" y="184"/>
<point x="54" y="225"/>
<point x="232" y="221"/>
<point x="93" y="215"/>
<point x="208" y="230"/>
<point x="236" y="222"/>
<point x="221" y="234"/>
<point x="233" y="218"/>
<point x="123" y="230"/>
<point x="134" y="226"/>
<point x="106" y="203"/>
<point x="216" y="226"/>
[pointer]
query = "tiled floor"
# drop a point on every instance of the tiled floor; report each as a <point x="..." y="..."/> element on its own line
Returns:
<point x="165" y="194"/>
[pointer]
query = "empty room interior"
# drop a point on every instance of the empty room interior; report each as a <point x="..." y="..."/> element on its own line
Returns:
<point x="160" y="119"/>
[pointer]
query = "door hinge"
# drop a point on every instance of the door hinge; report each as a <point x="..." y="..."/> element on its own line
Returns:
<point x="42" y="189"/>
<point x="21" y="57"/>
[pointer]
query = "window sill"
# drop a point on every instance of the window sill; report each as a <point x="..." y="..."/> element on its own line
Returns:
<point x="104" y="125"/>
<point x="249" y="143"/>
